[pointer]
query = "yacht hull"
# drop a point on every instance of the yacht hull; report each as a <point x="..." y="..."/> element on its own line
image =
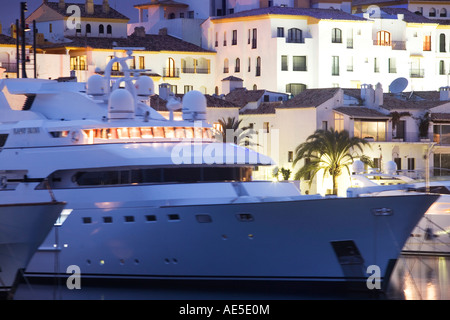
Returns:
<point x="23" y="227"/>
<point x="311" y="240"/>
<point x="431" y="236"/>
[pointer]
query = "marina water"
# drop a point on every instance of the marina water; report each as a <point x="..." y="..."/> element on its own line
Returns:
<point x="414" y="278"/>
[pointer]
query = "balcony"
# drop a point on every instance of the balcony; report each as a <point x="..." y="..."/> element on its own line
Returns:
<point x="295" y="40"/>
<point x="196" y="70"/>
<point x="417" y="73"/>
<point x="349" y="43"/>
<point x="395" y="45"/>
<point x="10" y="67"/>
<point x="171" y="72"/>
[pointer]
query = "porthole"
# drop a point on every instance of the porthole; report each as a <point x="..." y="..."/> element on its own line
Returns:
<point x="203" y="218"/>
<point x="174" y="217"/>
<point x="87" y="220"/>
<point x="107" y="219"/>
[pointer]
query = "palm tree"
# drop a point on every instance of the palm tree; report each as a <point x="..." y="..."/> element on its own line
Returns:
<point x="231" y="132"/>
<point x="327" y="150"/>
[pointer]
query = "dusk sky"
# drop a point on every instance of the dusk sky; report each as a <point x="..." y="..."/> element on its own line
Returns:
<point x="10" y="9"/>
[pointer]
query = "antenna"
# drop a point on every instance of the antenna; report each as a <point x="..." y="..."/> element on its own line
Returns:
<point x="398" y="85"/>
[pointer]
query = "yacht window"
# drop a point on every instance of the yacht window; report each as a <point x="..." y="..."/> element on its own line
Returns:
<point x="174" y="217"/>
<point x="162" y="175"/>
<point x="150" y="218"/>
<point x="3" y="138"/>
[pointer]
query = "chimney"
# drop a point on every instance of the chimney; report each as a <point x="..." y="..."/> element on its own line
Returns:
<point x="367" y="95"/>
<point x="378" y="101"/>
<point x="44" y="1"/>
<point x="105" y="6"/>
<point x="61" y="5"/>
<point x="444" y="93"/>
<point x="162" y="32"/>
<point x="89" y="6"/>
<point x="139" y="32"/>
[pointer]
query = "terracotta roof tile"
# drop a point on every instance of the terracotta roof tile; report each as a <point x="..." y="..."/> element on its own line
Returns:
<point x="4" y="39"/>
<point x="264" y="108"/>
<point x="241" y="96"/>
<point x="328" y="14"/>
<point x="151" y="42"/>
<point x="310" y="98"/>
<point x="362" y="112"/>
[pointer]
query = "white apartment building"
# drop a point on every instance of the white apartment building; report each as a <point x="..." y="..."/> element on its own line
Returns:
<point x="183" y="65"/>
<point x="58" y="20"/>
<point x="289" y="49"/>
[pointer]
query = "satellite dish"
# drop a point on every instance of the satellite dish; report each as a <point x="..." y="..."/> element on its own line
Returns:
<point x="398" y="85"/>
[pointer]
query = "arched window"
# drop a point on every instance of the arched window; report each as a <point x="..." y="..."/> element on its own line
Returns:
<point x="432" y="12"/>
<point x="383" y="38"/>
<point x="442" y="42"/>
<point x="336" y="35"/>
<point x="295" y="36"/>
<point x="441" y="67"/>
<point x="109" y="29"/>
<point x="258" y="66"/>
<point x="443" y="13"/>
<point x="88" y="28"/>
<point x="226" y="67"/>
<point x="237" y="66"/>
<point x="255" y="87"/>
<point x="216" y="90"/>
<point x="170" y="70"/>
<point x="101" y="29"/>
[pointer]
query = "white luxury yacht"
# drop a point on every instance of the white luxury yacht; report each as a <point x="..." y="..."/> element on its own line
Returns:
<point x="154" y="198"/>
<point x="432" y="233"/>
<point x="23" y="227"/>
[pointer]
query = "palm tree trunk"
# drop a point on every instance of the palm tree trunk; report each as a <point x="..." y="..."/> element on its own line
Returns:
<point x="335" y="184"/>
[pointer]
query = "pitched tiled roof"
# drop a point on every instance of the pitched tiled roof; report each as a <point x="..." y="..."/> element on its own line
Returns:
<point x="98" y="11"/>
<point x="362" y="112"/>
<point x="440" y="117"/>
<point x="310" y="98"/>
<point x="264" y="108"/>
<point x="165" y="3"/>
<point x="4" y="39"/>
<point x="408" y="15"/>
<point x="241" y="96"/>
<point x="327" y="14"/>
<point x="232" y="78"/>
<point x="151" y="42"/>
<point x="159" y="104"/>
<point x="407" y="100"/>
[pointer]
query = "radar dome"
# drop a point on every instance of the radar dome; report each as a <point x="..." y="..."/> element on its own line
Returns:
<point x="358" y="166"/>
<point x="121" y="105"/>
<point x="145" y="86"/>
<point x="96" y="85"/>
<point x="194" y="106"/>
<point x="391" y="167"/>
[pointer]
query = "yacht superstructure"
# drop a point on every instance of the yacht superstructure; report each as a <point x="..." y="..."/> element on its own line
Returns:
<point x="154" y="198"/>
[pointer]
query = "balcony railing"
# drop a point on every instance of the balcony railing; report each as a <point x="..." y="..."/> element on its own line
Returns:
<point x="196" y="70"/>
<point x="171" y="72"/>
<point x="9" y="66"/>
<point x="395" y="45"/>
<point x="295" y="40"/>
<point x="349" y="43"/>
<point x="417" y="73"/>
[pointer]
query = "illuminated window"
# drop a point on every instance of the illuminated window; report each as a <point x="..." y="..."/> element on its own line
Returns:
<point x="370" y="129"/>
<point x="338" y="122"/>
<point x="383" y="38"/>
